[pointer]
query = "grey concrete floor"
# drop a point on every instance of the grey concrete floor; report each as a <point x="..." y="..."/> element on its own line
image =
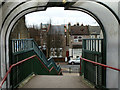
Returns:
<point x="53" y="81"/>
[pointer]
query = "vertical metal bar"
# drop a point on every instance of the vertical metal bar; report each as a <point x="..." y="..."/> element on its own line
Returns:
<point x="98" y="45"/>
<point x="82" y="45"/>
<point x="22" y="44"/>
<point x="25" y="45"/>
<point x="33" y="45"/>
<point x="102" y="46"/>
<point x="90" y="45"/>
<point x="95" y="45"/>
<point x="15" y="46"/>
<point x="85" y="44"/>
<point x="18" y="45"/>
<point x="96" y="68"/>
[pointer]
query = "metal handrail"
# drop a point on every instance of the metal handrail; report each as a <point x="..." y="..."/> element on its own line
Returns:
<point x="96" y="63"/>
<point x="9" y="70"/>
<point x="40" y="53"/>
<point x="47" y="62"/>
<point x="32" y="44"/>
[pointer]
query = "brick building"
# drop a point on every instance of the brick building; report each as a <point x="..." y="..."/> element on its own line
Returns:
<point x="40" y="36"/>
<point x="55" y="40"/>
<point x="77" y="33"/>
<point x="57" y="36"/>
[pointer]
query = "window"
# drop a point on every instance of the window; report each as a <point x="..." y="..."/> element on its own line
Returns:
<point x="75" y="37"/>
<point x="75" y="40"/>
<point x="80" y="40"/>
<point x="80" y="37"/>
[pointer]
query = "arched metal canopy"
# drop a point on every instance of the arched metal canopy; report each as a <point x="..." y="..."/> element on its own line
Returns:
<point x="105" y="11"/>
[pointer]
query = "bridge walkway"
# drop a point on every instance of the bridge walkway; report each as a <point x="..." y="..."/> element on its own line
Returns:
<point x="55" y="81"/>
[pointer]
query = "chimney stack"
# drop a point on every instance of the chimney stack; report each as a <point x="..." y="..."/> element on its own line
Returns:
<point x="41" y="26"/>
<point x="78" y="24"/>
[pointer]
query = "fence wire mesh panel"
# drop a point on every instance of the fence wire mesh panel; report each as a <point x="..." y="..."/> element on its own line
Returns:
<point x="93" y="50"/>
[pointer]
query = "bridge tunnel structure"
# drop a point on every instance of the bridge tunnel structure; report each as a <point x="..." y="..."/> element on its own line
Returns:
<point x="106" y="13"/>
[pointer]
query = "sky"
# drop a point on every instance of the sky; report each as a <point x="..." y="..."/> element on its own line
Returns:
<point x="59" y="16"/>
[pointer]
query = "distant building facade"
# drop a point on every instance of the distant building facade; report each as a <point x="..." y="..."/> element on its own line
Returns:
<point x="77" y="33"/>
<point x="95" y="32"/>
<point x="39" y="35"/>
<point x="50" y="39"/>
<point x="57" y="41"/>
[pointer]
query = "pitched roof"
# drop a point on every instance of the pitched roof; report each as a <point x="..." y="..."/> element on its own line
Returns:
<point x="79" y="30"/>
<point x="94" y="30"/>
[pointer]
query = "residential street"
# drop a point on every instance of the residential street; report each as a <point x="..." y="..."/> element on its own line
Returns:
<point x="70" y="68"/>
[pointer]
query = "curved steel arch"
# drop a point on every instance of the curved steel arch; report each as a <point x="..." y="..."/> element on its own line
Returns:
<point x="83" y="10"/>
<point x="91" y="14"/>
<point x="48" y="6"/>
<point x="110" y="10"/>
<point x="18" y="16"/>
<point x="10" y="13"/>
<point x="13" y="9"/>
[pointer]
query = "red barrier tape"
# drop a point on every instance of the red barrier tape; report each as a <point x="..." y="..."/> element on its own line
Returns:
<point x="106" y="66"/>
<point x="2" y="82"/>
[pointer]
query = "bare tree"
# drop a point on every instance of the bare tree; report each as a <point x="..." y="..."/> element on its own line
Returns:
<point x="54" y="41"/>
<point x="49" y="44"/>
<point x="58" y="43"/>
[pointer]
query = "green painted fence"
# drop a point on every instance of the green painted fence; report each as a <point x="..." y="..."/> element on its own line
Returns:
<point x="93" y="49"/>
<point x="22" y="49"/>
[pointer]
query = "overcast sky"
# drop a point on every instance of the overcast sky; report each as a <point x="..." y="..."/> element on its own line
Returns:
<point x="59" y="16"/>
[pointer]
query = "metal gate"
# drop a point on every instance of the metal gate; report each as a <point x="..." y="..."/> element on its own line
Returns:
<point x="93" y="49"/>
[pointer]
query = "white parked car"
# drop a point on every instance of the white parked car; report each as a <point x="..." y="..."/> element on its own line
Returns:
<point x="74" y="61"/>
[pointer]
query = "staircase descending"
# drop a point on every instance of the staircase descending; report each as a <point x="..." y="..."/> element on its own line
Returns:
<point x="40" y="65"/>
